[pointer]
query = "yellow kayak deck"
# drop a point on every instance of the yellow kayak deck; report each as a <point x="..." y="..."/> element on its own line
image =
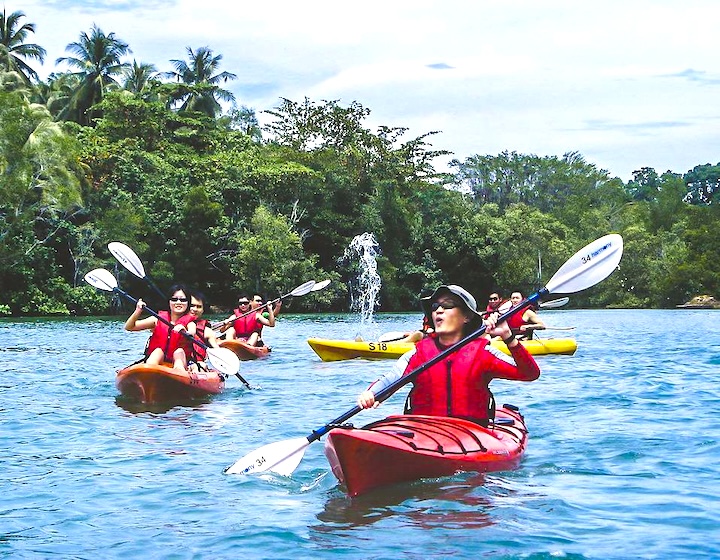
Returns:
<point x="334" y="350"/>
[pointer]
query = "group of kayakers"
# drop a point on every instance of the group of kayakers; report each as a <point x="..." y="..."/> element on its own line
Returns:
<point x="181" y="335"/>
<point x="457" y="385"/>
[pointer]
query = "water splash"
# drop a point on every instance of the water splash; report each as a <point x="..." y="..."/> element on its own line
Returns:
<point x="365" y="287"/>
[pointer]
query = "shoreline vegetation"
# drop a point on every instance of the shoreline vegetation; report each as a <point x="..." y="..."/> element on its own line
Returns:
<point x="171" y="164"/>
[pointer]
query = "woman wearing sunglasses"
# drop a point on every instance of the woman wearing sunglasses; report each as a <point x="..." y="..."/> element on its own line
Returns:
<point x="459" y="384"/>
<point x="166" y="344"/>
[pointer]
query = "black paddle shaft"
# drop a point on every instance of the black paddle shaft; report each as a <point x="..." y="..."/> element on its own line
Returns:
<point x="405" y="379"/>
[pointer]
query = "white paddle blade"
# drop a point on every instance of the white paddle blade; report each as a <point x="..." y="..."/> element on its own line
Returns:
<point x="127" y="257"/>
<point x="223" y="360"/>
<point x="281" y="457"/>
<point x="555" y="303"/>
<point x="303" y="289"/>
<point x="101" y="279"/>
<point x="320" y="285"/>
<point x="590" y="265"/>
<point x="391" y="336"/>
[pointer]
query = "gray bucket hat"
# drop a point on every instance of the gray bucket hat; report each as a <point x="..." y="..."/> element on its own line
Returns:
<point x="462" y="293"/>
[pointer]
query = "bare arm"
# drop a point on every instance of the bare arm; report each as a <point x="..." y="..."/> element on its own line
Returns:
<point x="133" y="324"/>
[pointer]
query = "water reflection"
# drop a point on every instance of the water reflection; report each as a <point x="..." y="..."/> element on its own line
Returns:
<point x="462" y="502"/>
<point x="137" y="407"/>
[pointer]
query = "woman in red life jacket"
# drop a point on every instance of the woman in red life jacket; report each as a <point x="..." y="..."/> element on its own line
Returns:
<point x="167" y="344"/>
<point x="249" y="321"/>
<point x="525" y="322"/>
<point x="201" y="329"/>
<point x="458" y="385"/>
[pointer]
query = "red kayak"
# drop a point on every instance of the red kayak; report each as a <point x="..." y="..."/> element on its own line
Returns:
<point x="155" y="384"/>
<point x="245" y="351"/>
<point x="404" y="448"/>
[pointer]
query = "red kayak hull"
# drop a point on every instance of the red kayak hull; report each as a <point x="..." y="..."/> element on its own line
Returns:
<point x="156" y="384"/>
<point x="245" y="351"/>
<point x="404" y="448"/>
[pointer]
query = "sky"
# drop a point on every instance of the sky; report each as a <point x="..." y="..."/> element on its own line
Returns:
<point x="627" y="84"/>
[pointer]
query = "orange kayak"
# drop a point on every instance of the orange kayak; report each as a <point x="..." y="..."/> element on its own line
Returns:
<point x="404" y="448"/>
<point x="245" y="351"/>
<point x="154" y="384"/>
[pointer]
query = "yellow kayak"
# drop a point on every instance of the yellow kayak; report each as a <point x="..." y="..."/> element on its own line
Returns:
<point x="333" y="350"/>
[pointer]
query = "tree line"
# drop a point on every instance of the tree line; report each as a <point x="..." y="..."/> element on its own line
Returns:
<point x="112" y="150"/>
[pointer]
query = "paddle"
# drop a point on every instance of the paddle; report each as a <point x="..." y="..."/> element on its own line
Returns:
<point x="559" y="328"/>
<point x="592" y="264"/>
<point x="320" y="285"/>
<point x="222" y="359"/>
<point x="555" y="303"/>
<point x="391" y="336"/>
<point x="129" y="259"/>
<point x="301" y="290"/>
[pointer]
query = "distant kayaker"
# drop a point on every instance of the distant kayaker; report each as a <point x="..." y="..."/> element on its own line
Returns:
<point x="496" y="304"/>
<point x="258" y="301"/>
<point x="201" y="329"/>
<point x="166" y="344"/>
<point x="524" y="323"/>
<point x="458" y="385"/>
<point x="248" y="320"/>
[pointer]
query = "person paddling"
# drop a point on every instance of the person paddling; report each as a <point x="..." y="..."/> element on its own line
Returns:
<point x="166" y="344"/>
<point x="524" y="323"/>
<point x="249" y="320"/>
<point x="458" y="385"/>
<point x="201" y="330"/>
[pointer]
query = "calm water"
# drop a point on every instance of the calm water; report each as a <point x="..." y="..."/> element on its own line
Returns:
<point x="623" y="459"/>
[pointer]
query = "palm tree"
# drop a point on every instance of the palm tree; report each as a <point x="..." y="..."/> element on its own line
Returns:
<point x="13" y="48"/>
<point x="138" y="76"/>
<point x="97" y="60"/>
<point x="202" y="93"/>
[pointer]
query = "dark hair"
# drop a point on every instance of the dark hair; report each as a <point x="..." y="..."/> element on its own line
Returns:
<point x="178" y="288"/>
<point x="197" y="294"/>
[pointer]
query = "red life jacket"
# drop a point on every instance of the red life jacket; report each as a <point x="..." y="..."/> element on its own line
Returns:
<point x="245" y="326"/>
<point x="458" y="385"/>
<point x="167" y="339"/>
<point x="198" y="351"/>
<point x="517" y="321"/>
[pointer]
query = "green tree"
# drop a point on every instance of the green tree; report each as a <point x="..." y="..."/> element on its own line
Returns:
<point x="139" y="76"/>
<point x="97" y="60"/>
<point x="269" y="256"/>
<point x="703" y="182"/>
<point x="201" y="92"/>
<point x="14" y="50"/>
<point x="40" y="195"/>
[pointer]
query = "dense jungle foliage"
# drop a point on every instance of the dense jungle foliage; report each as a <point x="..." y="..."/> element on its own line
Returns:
<point x="111" y="150"/>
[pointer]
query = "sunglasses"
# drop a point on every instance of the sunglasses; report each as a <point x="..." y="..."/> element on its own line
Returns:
<point x="183" y="299"/>
<point x="244" y="302"/>
<point x="444" y="304"/>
